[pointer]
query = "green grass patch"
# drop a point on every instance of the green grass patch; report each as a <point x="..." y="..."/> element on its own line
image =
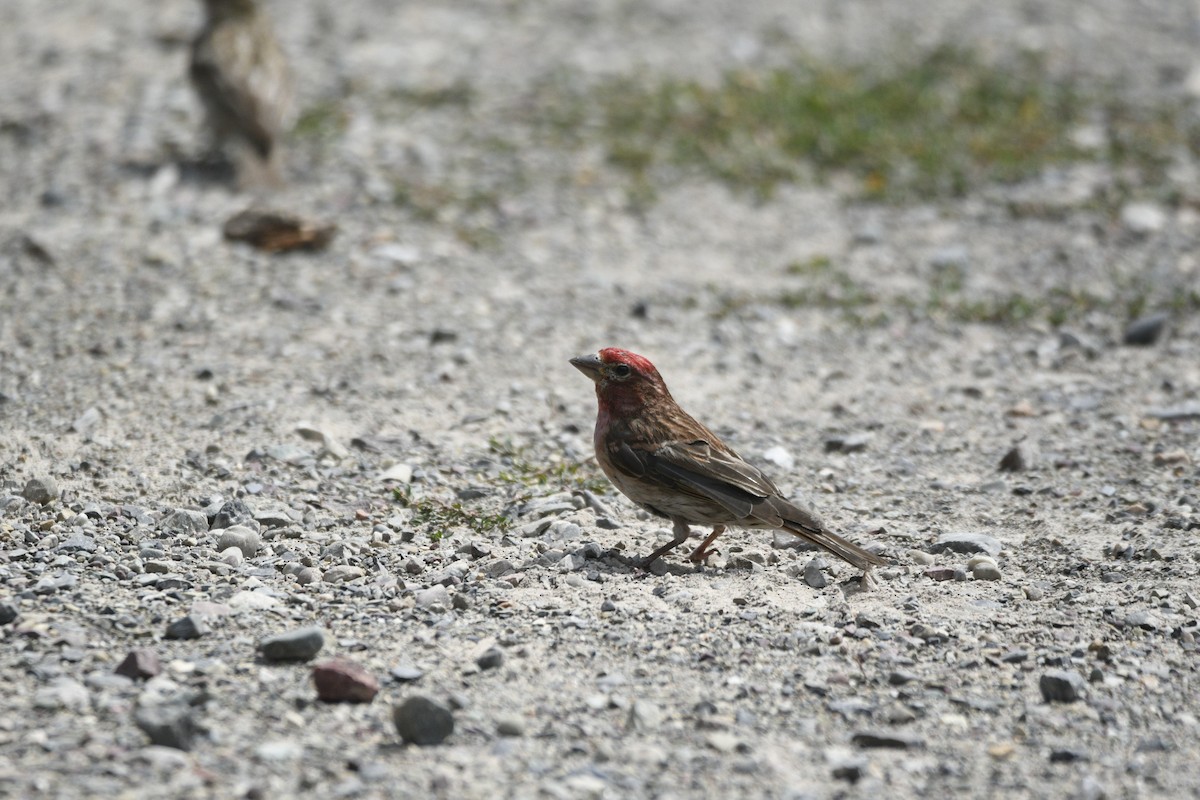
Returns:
<point x="516" y="469"/>
<point x="938" y="126"/>
<point x="439" y="518"/>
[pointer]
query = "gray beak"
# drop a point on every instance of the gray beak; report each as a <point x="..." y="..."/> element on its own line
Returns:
<point x="589" y="365"/>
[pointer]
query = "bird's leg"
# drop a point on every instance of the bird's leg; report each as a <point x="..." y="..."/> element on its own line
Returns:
<point x="702" y="552"/>
<point x="681" y="531"/>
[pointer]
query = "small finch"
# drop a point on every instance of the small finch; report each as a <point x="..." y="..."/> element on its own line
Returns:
<point x="243" y="80"/>
<point x="669" y="464"/>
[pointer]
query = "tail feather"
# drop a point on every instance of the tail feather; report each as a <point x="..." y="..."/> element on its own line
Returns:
<point x="842" y="548"/>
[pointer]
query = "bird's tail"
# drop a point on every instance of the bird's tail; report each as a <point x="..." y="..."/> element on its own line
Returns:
<point x="842" y="548"/>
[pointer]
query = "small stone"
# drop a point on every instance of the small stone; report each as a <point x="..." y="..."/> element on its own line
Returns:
<point x="1013" y="460"/>
<point x="341" y="681"/>
<point x="249" y="600"/>
<point x="43" y="490"/>
<point x="966" y="543"/>
<point x="984" y="571"/>
<point x="400" y="473"/>
<point x="343" y="573"/>
<point x="243" y="538"/>
<point x="89" y="419"/>
<point x="940" y="573"/>
<point x="230" y="514"/>
<point x="62" y="693"/>
<point x="167" y="725"/>
<point x="189" y="627"/>
<point x="847" y="444"/>
<point x="8" y="613"/>
<point x="814" y="572"/>
<point x="434" y="597"/>
<point x="780" y="457"/>
<point x="1067" y="755"/>
<point x="644" y="717"/>
<point x="1061" y="686"/>
<point x="1033" y="592"/>
<point x="139" y="664"/>
<point x="1143" y="219"/>
<point x="510" y="725"/>
<point x="231" y="556"/>
<point x="422" y="721"/>
<point x="301" y="644"/>
<point x="407" y="673"/>
<point x="184" y="522"/>
<point x="1146" y="330"/>
<point x="887" y="739"/>
<point x="308" y="575"/>
<point x="491" y="658"/>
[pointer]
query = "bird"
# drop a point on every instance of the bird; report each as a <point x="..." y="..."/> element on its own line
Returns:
<point x="244" y="83"/>
<point x="662" y="459"/>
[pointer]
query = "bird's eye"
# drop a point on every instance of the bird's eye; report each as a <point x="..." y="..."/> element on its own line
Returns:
<point x="621" y="370"/>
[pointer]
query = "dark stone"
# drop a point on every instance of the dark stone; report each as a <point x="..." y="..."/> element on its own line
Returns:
<point x="491" y="658"/>
<point x="168" y="725"/>
<point x="1061" y="686"/>
<point x="233" y="512"/>
<point x="887" y="739"/>
<point x="42" y="491"/>
<point x="139" y="664"/>
<point x="301" y="644"/>
<point x="1145" y="331"/>
<point x="1013" y="460"/>
<point x="189" y="627"/>
<point x="966" y="544"/>
<point x="8" y="613"/>
<point x="422" y="721"/>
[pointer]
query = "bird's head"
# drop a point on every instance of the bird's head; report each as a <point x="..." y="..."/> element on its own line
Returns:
<point x="622" y="378"/>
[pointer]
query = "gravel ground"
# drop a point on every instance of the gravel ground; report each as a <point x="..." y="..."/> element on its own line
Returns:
<point x="203" y="446"/>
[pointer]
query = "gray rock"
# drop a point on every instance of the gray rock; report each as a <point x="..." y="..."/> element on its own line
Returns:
<point x="301" y="644"/>
<point x="184" y="522"/>
<point x="243" y="538"/>
<point x="308" y="575"/>
<point x="8" y="613"/>
<point x="54" y="583"/>
<point x="510" y="725"/>
<point x="434" y="597"/>
<point x="189" y="627"/>
<point x="43" y="490"/>
<point x="985" y="572"/>
<point x="1143" y="219"/>
<point x="343" y="573"/>
<point x="1061" y="686"/>
<point x="814" y="573"/>
<point x="407" y="673"/>
<point x="1146" y="330"/>
<point x="644" y="717"/>
<point x="139" y="664"/>
<point x="1014" y="460"/>
<point x="888" y="739"/>
<point x="422" y="721"/>
<point x="966" y="543"/>
<point x="492" y="658"/>
<point x="62" y="693"/>
<point x="232" y="512"/>
<point x="167" y="725"/>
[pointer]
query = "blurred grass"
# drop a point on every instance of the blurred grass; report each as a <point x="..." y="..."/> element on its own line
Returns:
<point x="938" y="126"/>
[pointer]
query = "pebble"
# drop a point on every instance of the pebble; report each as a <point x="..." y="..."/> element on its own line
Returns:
<point x="852" y="443"/>
<point x="984" y="571"/>
<point x="343" y="573"/>
<point x="814" y="573"/>
<point x="167" y="725"/>
<point x="8" y="613"/>
<point x="1143" y="219"/>
<point x="422" y="721"/>
<point x="62" y="692"/>
<point x="189" y="627"/>
<point x="1146" y="330"/>
<point x="940" y="573"/>
<point x="230" y="514"/>
<point x="966" y="543"/>
<point x="1061" y="686"/>
<point x="41" y="490"/>
<point x="308" y="575"/>
<point x="243" y="538"/>
<point x="887" y="739"/>
<point x="492" y="658"/>
<point x="139" y="664"/>
<point x="231" y="557"/>
<point x="435" y="597"/>
<point x="246" y="600"/>
<point x="342" y="681"/>
<point x="510" y="725"/>
<point x="406" y="673"/>
<point x="780" y="457"/>
<point x="184" y="522"/>
<point x="1014" y="460"/>
<point x="644" y="716"/>
<point x="301" y="644"/>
